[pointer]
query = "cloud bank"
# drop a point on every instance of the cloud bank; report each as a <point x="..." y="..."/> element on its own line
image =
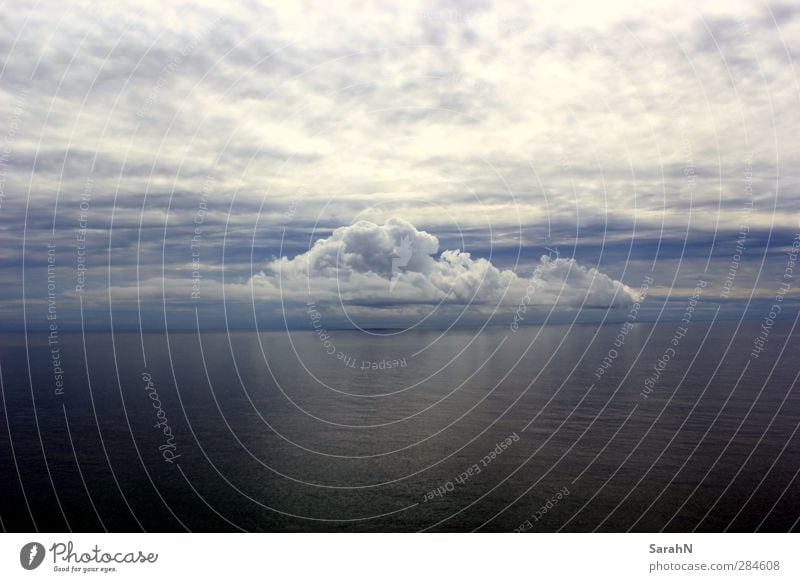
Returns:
<point x="395" y="264"/>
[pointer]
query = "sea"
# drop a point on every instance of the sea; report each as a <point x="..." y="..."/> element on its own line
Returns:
<point x="644" y="427"/>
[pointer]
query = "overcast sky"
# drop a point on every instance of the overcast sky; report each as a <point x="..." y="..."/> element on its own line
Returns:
<point x="393" y="162"/>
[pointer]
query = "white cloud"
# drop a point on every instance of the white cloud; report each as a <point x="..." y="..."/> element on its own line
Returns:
<point x="395" y="264"/>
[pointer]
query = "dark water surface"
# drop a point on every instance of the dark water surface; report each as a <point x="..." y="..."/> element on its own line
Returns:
<point x="270" y="432"/>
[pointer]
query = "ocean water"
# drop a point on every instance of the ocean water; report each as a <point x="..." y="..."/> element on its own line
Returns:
<point x="551" y="428"/>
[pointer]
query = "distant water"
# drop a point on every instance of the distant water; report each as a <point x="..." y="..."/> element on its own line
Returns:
<point x="470" y="429"/>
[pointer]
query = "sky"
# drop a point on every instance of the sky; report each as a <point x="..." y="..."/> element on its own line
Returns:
<point x="245" y="163"/>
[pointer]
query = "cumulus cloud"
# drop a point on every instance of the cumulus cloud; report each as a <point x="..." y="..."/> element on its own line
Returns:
<point x="395" y="264"/>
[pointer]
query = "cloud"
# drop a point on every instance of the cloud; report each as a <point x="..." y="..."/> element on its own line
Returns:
<point x="394" y="264"/>
<point x="630" y="138"/>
